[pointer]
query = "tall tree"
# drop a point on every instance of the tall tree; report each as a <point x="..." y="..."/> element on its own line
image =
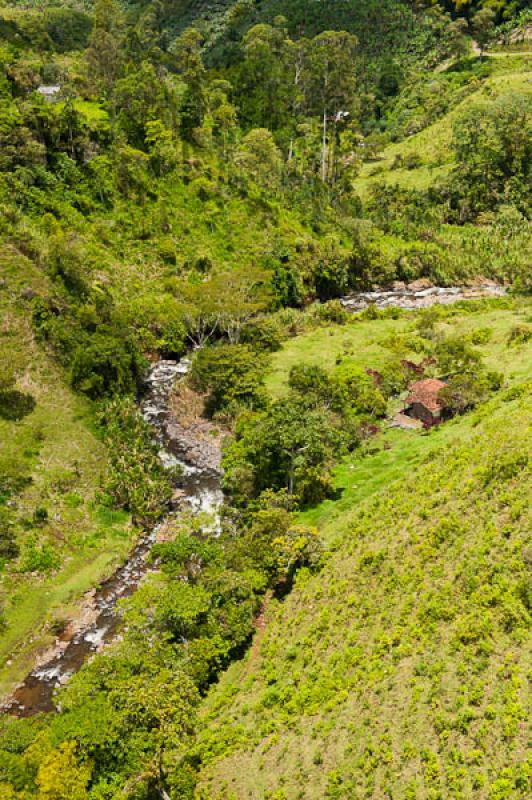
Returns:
<point x="104" y="55"/>
<point x="264" y="79"/>
<point x="330" y="84"/>
<point x="187" y="52"/>
<point x="483" y="25"/>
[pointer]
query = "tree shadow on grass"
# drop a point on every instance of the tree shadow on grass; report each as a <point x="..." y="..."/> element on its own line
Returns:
<point x="15" y="405"/>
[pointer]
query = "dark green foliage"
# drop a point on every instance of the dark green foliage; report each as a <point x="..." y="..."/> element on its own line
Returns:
<point x="15" y="405"/>
<point x="8" y="544"/>
<point x="186" y="556"/>
<point x="264" y="334"/>
<point x="105" y="366"/>
<point x="503" y="9"/>
<point x="68" y="28"/>
<point x="232" y="376"/>
<point x="132" y="711"/>
<point x="494" y="155"/>
<point x="103" y="357"/>
<point x="292" y="445"/>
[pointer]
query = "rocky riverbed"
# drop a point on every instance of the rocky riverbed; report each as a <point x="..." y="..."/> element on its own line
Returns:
<point x="97" y="624"/>
<point x="420" y="294"/>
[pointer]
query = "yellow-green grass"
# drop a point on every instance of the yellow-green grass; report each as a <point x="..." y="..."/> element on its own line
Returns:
<point x="358" y="341"/>
<point x="433" y="144"/>
<point x="55" y="445"/>
<point x="394" y="453"/>
<point x="361" y="342"/>
<point x="400" y="669"/>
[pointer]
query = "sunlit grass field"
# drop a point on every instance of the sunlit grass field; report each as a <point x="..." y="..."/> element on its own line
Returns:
<point x="400" y="669"/>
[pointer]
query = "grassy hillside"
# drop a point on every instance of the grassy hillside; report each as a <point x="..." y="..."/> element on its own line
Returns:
<point x="50" y="470"/>
<point x="420" y="168"/>
<point x="400" y="670"/>
<point x="365" y="343"/>
<point x="432" y="107"/>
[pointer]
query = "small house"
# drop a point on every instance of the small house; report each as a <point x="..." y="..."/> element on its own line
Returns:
<point x="424" y="403"/>
<point x="50" y="93"/>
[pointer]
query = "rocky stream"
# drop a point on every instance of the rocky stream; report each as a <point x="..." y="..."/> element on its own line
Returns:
<point x="198" y="488"/>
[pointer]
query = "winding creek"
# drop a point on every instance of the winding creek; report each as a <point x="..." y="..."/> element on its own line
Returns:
<point x="199" y="488"/>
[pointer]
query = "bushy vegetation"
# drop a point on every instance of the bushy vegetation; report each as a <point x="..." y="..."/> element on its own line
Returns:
<point x="132" y="714"/>
<point x="204" y="173"/>
<point x="231" y="375"/>
<point x="400" y="669"/>
<point x="136" y="480"/>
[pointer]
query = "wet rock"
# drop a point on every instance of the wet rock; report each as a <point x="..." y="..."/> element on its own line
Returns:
<point x="98" y="619"/>
<point x="422" y="296"/>
<point x="419" y="285"/>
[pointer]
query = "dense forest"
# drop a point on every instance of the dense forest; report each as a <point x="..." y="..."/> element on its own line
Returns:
<point x="202" y="183"/>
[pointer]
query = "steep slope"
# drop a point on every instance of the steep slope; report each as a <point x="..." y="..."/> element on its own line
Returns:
<point x="379" y="24"/>
<point x="424" y="116"/>
<point x="50" y="469"/>
<point x="400" y="670"/>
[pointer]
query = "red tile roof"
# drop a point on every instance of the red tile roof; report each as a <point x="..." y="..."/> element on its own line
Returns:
<point x="426" y="393"/>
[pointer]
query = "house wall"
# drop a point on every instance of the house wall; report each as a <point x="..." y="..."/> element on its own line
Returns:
<point x="419" y="411"/>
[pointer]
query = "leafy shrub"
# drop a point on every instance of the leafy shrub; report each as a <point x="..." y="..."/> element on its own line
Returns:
<point x="360" y="391"/>
<point x="8" y="544"/>
<point x="455" y="355"/>
<point x="465" y="391"/>
<point x="39" y="558"/>
<point x="481" y="336"/>
<point x="264" y="334"/>
<point x="332" y="312"/>
<point x="15" y="405"/>
<point x="299" y="547"/>
<point x="105" y="365"/>
<point x="493" y="154"/>
<point x="232" y="376"/>
<point x="520" y="334"/>
<point x="315" y="385"/>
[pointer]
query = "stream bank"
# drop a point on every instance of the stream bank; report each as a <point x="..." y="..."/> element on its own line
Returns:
<point x="198" y="488"/>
